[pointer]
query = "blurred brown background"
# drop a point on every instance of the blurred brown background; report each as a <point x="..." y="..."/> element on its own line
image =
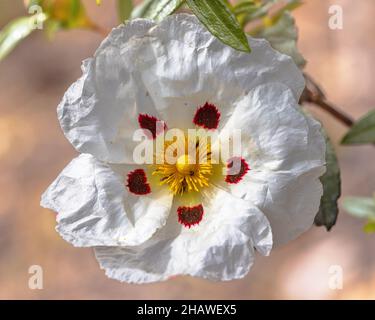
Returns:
<point x="33" y="151"/>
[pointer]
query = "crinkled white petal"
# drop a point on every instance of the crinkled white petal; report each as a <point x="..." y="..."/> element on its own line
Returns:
<point x="221" y="247"/>
<point x="95" y="208"/>
<point x="98" y="113"/>
<point x="286" y="154"/>
<point x="166" y="71"/>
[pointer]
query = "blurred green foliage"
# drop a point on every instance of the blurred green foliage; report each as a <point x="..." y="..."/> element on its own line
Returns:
<point x="124" y="8"/>
<point x="362" y="132"/>
<point x="363" y="208"/>
<point x="224" y="20"/>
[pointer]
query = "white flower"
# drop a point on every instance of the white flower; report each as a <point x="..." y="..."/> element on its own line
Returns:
<point x="148" y="223"/>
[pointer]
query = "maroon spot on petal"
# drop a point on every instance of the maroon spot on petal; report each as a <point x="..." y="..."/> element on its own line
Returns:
<point x="190" y="216"/>
<point x="151" y="124"/>
<point x="137" y="182"/>
<point x="207" y="116"/>
<point x="236" y="172"/>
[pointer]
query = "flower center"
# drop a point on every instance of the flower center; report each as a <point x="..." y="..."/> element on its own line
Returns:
<point x="188" y="173"/>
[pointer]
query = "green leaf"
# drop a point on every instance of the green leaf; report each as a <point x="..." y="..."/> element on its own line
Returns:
<point x="156" y="9"/>
<point x="331" y="182"/>
<point x="248" y="6"/>
<point x="17" y="30"/>
<point x="362" y="131"/>
<point x="140" y="10"/>
<point x="360" y="207"/>
<point x="229" y="5"/>
<point x="125" y="8"/>
<point x="221" y="22"/>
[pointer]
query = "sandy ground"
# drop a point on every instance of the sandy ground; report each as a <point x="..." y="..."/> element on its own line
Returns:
<point x="33" y="151"/>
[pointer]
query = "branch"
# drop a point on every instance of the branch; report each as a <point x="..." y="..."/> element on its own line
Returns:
<point x="315" y="95"/>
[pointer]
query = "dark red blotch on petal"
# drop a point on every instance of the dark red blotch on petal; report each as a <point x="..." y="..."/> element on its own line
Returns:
<point x="207" y="116"/>
<point x="148" y="122"/>
<point x="189" y="216"/>
<point x="236" y="176"/>
<point x="137" y="182"/>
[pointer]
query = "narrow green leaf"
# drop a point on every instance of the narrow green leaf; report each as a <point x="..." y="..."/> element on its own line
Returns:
<point x="363" y="131"/>
<point x="360" y="207"/>
<point x="163" y="8"/>
<point x="124" y="8"/>
<point x="17" y="30"/>
<point x="331" y="182"/>
<point x="245" y="7"/>
<point x="156" y="9"/>
<point x="228" y="4"/>
<point x="221" y="22"/>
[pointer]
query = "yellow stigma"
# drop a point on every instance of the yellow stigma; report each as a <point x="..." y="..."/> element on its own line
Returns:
<point x="185" y="165"/>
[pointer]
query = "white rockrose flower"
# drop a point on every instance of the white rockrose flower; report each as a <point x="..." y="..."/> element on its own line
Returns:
<point x="150" y="221"/>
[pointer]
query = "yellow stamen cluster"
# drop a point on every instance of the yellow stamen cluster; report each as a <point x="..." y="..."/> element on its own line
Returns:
<point x="188" y="173"/>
